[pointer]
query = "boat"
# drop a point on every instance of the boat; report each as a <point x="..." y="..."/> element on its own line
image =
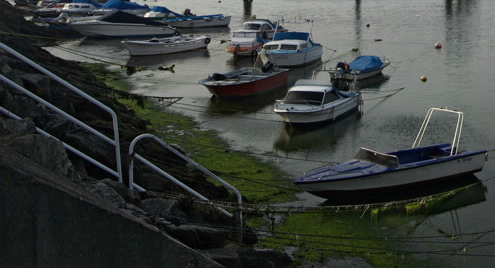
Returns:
<point x="248" y="40"/>
<point x="129" y="7"/>
<point x="316" y="101"/>
<point x="187" y="19"/>
<point x="246" y="82"/>
<point x="156" y="46"/>
<point x="64" y="9"/>
<point x="121" y="24"/>
<point x="291" y="49"/>
<point x="362" y="67"/>
<point x="380" y="173"/>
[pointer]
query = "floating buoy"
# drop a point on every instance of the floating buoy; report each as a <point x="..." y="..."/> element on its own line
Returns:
<point x="368" y="25"/>
<point x="423" y="78"/>
<point x="438" y="45"/>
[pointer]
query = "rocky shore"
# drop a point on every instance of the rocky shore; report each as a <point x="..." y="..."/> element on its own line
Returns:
<point x="217" y="238"/>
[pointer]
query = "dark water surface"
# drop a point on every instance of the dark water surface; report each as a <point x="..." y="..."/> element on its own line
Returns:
<point x="461" y="75"/>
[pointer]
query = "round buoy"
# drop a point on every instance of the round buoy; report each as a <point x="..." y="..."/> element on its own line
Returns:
<point x="368" y="25"/>
<point x="438" y="45"/>
<point x="423" y="78"/>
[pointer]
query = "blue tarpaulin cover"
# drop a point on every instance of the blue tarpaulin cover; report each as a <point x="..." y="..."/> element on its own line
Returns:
<point x="165" y="10"/>
<point x="122" y="5"/>
<point x="366" y="63"/>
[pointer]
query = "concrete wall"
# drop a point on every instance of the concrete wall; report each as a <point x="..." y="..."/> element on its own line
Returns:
<point x="48" y="221"/>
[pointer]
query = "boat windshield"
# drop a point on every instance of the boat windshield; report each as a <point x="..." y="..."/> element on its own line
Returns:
<point x="251" y="26"/>
<point x="288" y="47"/>
<point x="244" y="35"/>
<point x="271" y="47"/>
<point x="377" y="157"/>
<point x="307" y="97"/>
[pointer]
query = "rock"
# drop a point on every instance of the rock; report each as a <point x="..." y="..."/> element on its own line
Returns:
<point x="198" y="237"/>
<point x="163" y="208"/>
<point x="43" y="150"/>
<point x="108" y="193"/>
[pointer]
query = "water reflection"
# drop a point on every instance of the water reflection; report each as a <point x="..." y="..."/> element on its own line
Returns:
<point x="357" y="23"/>
<point x="464" y="190"/>
<point x="314" y="136"/>
<point x="246" y="105"/>
<point x="462" y="25"/>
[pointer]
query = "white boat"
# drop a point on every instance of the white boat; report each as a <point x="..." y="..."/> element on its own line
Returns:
<point x="248" y="40"/>
<point x="360" y="68"/>
<point x="313" y="101"/>
<point x="291" y="49"/>
<point x="166" y="45"/>
<point x="75" y="8"/>
<point x="122" y="24"/>
<point x="190" y="20"/>
<point x="374" y="172"/>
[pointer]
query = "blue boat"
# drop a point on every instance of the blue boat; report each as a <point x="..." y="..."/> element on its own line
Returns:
<point x="374" y="172"/>
<point x="360" y="68"/>
<point x="290" y="49"/>
<point x="187" y="19"/>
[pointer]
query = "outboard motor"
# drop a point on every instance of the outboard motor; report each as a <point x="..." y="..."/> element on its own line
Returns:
<point x="267" y="67"/>
<point x="341" y="65"/>
<point x="218" y="77"/>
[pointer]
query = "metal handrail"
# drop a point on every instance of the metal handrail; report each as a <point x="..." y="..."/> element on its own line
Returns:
<point x="133" y="156"/>
<point x="114" y="142"/>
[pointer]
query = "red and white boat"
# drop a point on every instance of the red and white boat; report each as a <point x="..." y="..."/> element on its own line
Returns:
<point x="249" y="40"/>
<point x="246" y="82"/>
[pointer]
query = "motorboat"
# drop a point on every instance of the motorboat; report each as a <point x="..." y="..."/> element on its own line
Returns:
<point x="316" y="101"/>
<point x="291" y="49"/>
<point x="122" y="24"/>
<point x="126" y="6"/>
<point x="246" y="82"/>
<point x="362" y="67"/>
<point x="249" y="40"/>
<point x="74" y="8"/>
<point x="156" y="46"/>
<point x="187" y="19"/>
<point x="371" y="171"/>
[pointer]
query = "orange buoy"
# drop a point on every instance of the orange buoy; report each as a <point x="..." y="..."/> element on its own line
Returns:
<point x="423" y="78"/>
<point x="438" y="45"/>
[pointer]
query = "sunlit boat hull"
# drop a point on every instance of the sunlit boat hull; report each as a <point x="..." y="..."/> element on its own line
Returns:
<point x="165" y="45"/>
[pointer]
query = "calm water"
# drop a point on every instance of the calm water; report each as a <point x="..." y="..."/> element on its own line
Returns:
<point x="461" y="75"/>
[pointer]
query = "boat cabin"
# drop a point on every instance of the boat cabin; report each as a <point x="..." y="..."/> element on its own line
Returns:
<point x="321" y="95"/>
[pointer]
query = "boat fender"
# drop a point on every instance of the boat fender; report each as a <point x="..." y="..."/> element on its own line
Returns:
<point x="207" y="40"/>
<point x="267" y="67"/>
<point x="218" y="77"/>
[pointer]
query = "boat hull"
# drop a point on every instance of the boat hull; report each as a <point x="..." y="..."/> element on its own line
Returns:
<point x="104" y="29"/>
<point x="429" y="171"/>
<point x="254" y="86"/>
<point x="319" y="114"/>
<point x="144" y="48"/>
<point x="294" y="58"/>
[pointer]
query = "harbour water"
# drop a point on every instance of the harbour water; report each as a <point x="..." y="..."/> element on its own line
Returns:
<point x="460" y="75"/>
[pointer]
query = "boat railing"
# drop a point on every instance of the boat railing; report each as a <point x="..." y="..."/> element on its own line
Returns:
<point x="117" y="170"/>
<point x="457" y="132"/>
